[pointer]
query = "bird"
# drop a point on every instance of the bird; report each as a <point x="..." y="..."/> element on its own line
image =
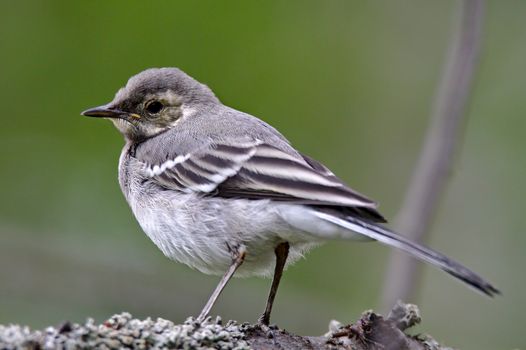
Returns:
<point x="227" y="194"/>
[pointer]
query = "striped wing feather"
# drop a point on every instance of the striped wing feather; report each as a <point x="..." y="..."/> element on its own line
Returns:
<point x="204" y="171"/>
<point x="256" y="171"/>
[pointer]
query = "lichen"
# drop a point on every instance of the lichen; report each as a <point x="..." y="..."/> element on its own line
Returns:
<point x="123" y="331"/>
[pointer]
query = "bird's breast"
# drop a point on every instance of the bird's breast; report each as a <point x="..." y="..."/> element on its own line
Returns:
<point x="201" y="231"/>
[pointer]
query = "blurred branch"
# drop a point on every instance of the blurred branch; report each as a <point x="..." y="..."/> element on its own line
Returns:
<point x="371" y="331"/>
<point x="436" y="159"/>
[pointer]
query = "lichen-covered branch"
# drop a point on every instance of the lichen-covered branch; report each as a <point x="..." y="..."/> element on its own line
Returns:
<point x="371" y="331"/>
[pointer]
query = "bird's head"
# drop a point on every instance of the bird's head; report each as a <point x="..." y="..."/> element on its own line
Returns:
<point x="154" y="101"/>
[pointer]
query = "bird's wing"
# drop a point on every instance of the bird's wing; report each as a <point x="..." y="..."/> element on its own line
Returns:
<point x="256" y="170"/>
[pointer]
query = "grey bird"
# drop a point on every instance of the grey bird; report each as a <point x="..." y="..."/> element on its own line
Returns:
<point x="224" y="192"/>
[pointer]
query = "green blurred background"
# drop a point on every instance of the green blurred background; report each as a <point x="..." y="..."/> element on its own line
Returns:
<point x="348" y="82"/>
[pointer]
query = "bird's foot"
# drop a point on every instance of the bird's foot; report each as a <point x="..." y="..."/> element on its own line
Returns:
<point x="269" y="330"/>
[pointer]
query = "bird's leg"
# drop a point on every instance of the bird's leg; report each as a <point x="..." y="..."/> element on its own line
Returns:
<point x="282" y="252"/>
<point x="238" y="258"/>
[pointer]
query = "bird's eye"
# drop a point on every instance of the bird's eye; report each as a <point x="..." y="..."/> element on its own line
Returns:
<point x="154" y="107"/>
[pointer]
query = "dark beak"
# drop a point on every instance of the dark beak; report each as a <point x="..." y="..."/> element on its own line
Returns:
<point x="103" y="112"/>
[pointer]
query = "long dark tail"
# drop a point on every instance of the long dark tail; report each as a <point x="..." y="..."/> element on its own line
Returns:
<point x="390" y="238"/>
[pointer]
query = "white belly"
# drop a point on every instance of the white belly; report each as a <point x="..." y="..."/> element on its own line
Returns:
<point x="201" y="232"/>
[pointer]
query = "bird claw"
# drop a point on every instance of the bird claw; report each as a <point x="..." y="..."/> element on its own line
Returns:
<point x="267" y="329"/>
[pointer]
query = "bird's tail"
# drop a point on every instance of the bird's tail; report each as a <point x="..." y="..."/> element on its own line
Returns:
<point x="390" y="238"/>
